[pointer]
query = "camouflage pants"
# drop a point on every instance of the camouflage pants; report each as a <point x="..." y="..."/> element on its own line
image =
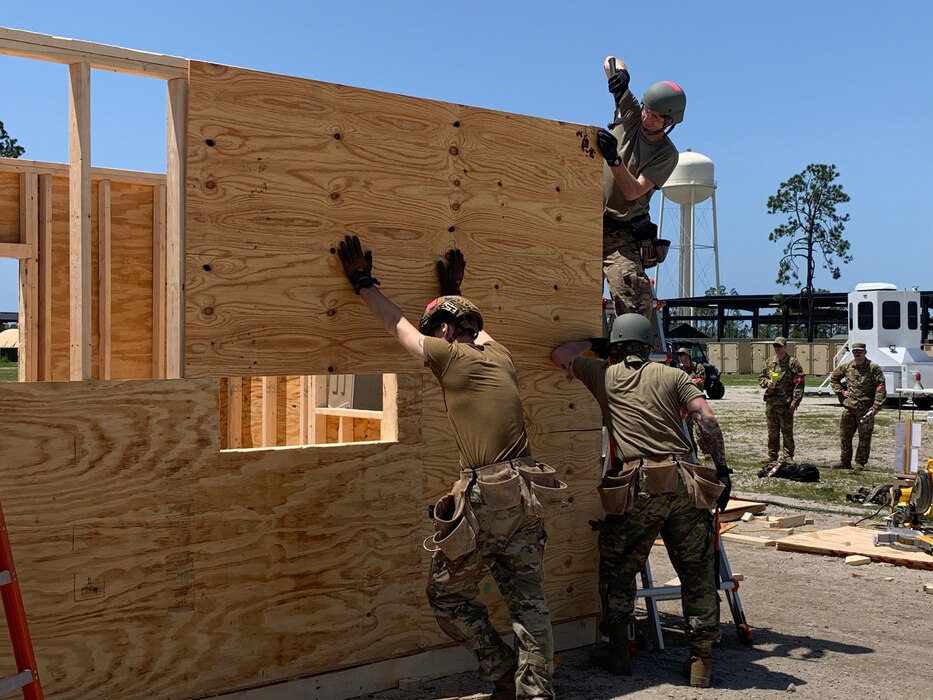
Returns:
<point x="780" y="426"/>
<point x="622" y="267"/>
<point x="509" y="544"/>
<point x="848" y="427"/>
<point x="625" y="542"/>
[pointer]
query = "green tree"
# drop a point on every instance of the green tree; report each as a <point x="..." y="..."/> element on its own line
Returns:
<point x="8" y="145"/>
<point x="730" y="329"/>
<point x="813" y="226"/>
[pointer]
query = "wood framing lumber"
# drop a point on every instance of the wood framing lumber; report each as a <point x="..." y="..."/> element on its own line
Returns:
<point x="160" y="264"/>
<point x="846" y="541"/>
<point x="20" y="251"/>
<point x="44" y="309"/>
<point x="737" y="507"/>
<point x="29" y="279"/>
<point x="174" y="218"/>
<point x="104" y="279"/>
<point x="79" y="178"/>
<point x="279" y="169"/>
<point x="788" y="521"/>
<point x="17" y="165"/>
<point x="16" y="42"/>
<point x="748" y="539"/>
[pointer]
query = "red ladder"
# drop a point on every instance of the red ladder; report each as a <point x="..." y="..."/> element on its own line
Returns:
<point x="27" y="677"/>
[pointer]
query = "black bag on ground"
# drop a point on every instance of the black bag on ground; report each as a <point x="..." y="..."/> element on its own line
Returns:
<point x="794" y="472"/>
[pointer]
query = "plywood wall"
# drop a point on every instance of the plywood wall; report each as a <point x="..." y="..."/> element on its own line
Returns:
<point x="279" y="169"/>
<point x="153" y="564"/>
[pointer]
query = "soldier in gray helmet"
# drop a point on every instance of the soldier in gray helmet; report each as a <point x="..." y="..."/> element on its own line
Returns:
<point x="492" y="519"/>
<point x="640" y="157"/>
<point x="652" y="487"/>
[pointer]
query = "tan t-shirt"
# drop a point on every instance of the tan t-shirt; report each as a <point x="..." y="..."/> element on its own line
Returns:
<point x="640" y="404"/>
<point x="656" y="160"/>
<point x="480" y="388"/>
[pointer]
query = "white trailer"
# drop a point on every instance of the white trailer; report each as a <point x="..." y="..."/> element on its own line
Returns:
<point x="887" y="320"/>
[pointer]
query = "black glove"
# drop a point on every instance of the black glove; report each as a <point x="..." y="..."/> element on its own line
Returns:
<point x="600" y="347"/>
<point x="357" y="265"/>
<point x="618" y="83"/>
<point x="722" y="473"/>
<point x="451" y="273"/>
<point x="609" y="147"/>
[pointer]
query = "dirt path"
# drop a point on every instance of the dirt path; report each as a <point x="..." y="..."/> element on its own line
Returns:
<point x="822" y="629"/>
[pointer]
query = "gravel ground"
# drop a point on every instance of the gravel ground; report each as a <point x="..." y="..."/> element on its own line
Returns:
<point x="822" y="629"/>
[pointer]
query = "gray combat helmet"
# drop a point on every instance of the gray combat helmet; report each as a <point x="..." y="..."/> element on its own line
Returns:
<point x="667" y="99"/>
<point x="451" y="308"/>
<point x="631" y="327"/>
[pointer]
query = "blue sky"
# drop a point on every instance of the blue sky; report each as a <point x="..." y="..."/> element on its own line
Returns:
<point x="771" y="87"/>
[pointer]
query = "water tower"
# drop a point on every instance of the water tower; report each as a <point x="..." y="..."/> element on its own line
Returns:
<point x="689" y="185"/>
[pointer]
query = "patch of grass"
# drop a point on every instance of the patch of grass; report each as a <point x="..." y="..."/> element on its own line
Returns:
<point x="739" y="379"/>
<point x="9" y="372"/>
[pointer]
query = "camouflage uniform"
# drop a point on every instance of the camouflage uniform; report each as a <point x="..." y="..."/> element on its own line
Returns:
<point x="623" y="220"/>
<point x="641" y="404"/>
<point x="697" y="374"/>
<point x="480" y="388"/>
<point x="867" y="387"/>
<point x="510" y="544"/>
<point x="785" y="394"/>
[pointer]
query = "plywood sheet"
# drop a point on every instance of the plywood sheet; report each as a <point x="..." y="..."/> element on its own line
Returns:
<point x="844" y="541"/>
<point x="156" y="565"/>
<point x="279" y="169"/>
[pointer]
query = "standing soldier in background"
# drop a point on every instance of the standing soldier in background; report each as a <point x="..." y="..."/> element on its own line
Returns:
<point x="697" y="374"/>
<point x="491" y="519"/>
<point x="639" y="159"/>
<point x="782" y="379"/>
<point x="862" y="396"/>
<point x="652" y="488"/>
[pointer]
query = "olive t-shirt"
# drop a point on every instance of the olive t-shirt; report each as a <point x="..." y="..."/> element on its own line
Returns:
<point x="480" y="388"/>
<point x="641" y="404"/>
<point x="656" y="160"/>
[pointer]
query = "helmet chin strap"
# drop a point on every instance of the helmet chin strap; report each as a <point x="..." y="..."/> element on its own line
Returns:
<point x="666" y="129"/>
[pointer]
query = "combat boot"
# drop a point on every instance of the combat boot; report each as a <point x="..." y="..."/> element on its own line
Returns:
<point x="615" y="655"/>
<point x="842" y="465"/>
<point x="859" y="467"/>
<point x="698" y="668"/>
<point x="504" y="688"/>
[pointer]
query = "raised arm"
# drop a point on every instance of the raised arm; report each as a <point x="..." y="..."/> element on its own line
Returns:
<point x="358" y="268"/>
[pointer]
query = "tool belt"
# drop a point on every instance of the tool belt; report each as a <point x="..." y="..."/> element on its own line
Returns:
<point x="522" y="481"/>
<point x="652" y="250"/>
<point x="657" y="475"/>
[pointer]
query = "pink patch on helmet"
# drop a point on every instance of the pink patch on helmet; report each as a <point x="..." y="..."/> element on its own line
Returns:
<point x="674" y="85"/>
<point x="431" y="305"/>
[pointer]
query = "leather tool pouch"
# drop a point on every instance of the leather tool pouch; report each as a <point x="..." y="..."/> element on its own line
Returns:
<point x="702" y="484"/>
<point x="659" y="478"/>
<point x="454" y="529"/>
<point x="542" y="492"/>
<point x="499" y="486"/>
<point x="617" y="491"/>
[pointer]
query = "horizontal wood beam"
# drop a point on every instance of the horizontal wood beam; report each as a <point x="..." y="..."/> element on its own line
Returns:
<point x="18" y="165"/>
<point x="16" y="42"/>
<point x="20" y="251"/>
